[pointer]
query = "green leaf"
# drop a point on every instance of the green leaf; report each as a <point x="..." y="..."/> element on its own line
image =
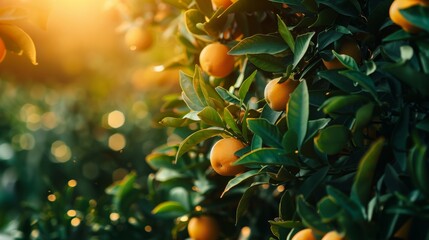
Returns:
<point x="314" y="126"/>
<point x="286" y="224"/>
<point x="125" y="187"/>
<point x="169" y="209"/>
<point x="301" y="45"/>
<point x="285" y="33"/>
<point x="243" y="204"/>
<point x="210" y="116"/>
<point x="159" y="160"/>
<point x="268" y="63"/>
<point x="355" y="210"/>
<point x="298" y="112"/>
<point x="244" y="88"/>
<point x="362" y="185"/>
<point x="328" y="209"/>
<point x="269" y="133"/>
<point x="363" y="80"/>
<point x="332" y="139"/>
<point x="309" y="216"/>
<point x="189" y="94"/>
<point x="423" y="125"/>
<point x="175" y="122"/>
<point x="338" y="80"/>
<point x="239" y="179"/>
<point x="414" y="79"/>
<point x="259" y="44"/>
<point x="313" y="181"/>
<point x="349" y="8"/>
<point x="417" y="15"/>
<point x="336" y="103"/>
<point x="326" y="17"/>
<point x="289" y="141"/>
<point x="20" y="39"/>
<point x="196" y="138"/>
<point x="227" y="96"/>
<point x="266" y="156"/>
<point x="346" y="60"/>
<point x="417" y="165"/>
<point x="193" y="17"/>
<point x="230" y="121"/>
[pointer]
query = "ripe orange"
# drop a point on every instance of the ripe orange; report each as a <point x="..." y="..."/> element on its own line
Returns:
<point x="221" y="3"/>
<point x="222" y="156"/>
<point x="203" y="228"/>
<point x="138" y="38"/>
<point x="397" y="17"/>
<point x="277" y="94"/>
<point x="348" y="47"/>
<point x="214" y="60"/>
<point x="404" y="230"/>
<point x="2" y="50"/>
<point x="333" y="235"/>
<point x="305" y="234"/>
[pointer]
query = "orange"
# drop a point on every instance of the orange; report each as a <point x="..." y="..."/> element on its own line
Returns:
<point x="221" y="3"/>
<point x="397" y="17"/>
<point x="348" y="47"/>
<point x="214" y="60"/>
<point x="305" y="234"/>
<point x="223" y="155"/>
<point x="203" y="228"/>
<point x="333" y="235"/>
<point x="2" y="50"/>
<point x="138" y="38"/>
<point x="277" y="94"/>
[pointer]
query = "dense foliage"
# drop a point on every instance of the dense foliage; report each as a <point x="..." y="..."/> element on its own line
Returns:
<point x="346" y="153"/>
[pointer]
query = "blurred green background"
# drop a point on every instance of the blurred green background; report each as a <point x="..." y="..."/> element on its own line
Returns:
<point x="76" y="123"/>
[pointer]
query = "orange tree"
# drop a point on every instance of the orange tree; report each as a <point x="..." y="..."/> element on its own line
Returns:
<point x="348" y="150"/>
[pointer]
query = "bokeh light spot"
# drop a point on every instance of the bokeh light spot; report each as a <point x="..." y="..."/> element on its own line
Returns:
<point x="117" y="142"/>
<point x="71" y="213"/>
<point x="72" y="183"/>
<point x="116" y="119"/>
<point x="75" y="222"/>
<point x="114" y="216"/>
<point x="52" y="197"/>
<point x="61" y="151"/>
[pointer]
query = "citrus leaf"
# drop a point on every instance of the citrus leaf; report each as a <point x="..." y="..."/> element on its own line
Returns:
<point x="244" y="88"/>
<point x="210" y="116"/>
<point x="362" y="185"/>
<point x="230" y="121"/>
<point x="243" y="204"/>
<point x="285" y="33"/>
<point x="298" y="112"/>
<point x="268" y="63"/>
<point x="355" y="210"/>
<point x="266" y="156"/>
<point x="169" y="209"/>
<point x="239" y="179"/>
<point x="259" y="44"/>
<point x="269" y="133"/>
<point x="21" y="39"/>
<point x="196" y="138"/>
<point x="346" y="60"/>
<point x="309" y="216"/>
<point x="363" y="80"/>
<point x="301" y="45"/>
<point x="227" y="96"/>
